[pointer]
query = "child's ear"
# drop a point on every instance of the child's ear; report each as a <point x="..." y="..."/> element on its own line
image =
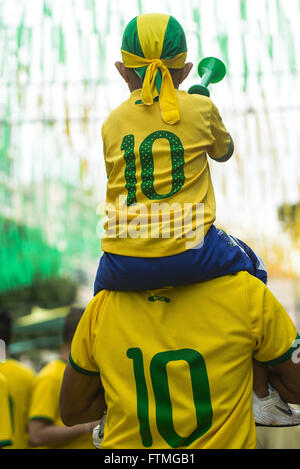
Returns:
<point x="122" y="71"/>
<point x="185" y="71"/>
<point x="129" y="75"/>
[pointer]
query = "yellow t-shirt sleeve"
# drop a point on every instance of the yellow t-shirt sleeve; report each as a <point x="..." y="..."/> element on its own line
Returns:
<point x="44" y="403"/>
<point x="222" y="145"/>
<point x="81" y="355"/>
<point x="274" y="332"/>
<point x="5" y="416"/>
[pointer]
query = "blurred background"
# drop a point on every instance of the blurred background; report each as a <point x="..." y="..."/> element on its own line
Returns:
<point x="57" y="85"/>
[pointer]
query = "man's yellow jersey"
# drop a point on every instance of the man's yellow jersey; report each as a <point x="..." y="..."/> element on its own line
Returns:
<point x="45" y="402"/>
<point x="176" y="363"/>
<point x="159" y="190"/>
<point x="19" y="379"/>
<point x="5" y="415"/>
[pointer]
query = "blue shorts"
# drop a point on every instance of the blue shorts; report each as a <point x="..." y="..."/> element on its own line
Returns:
<point x="219" y="255"/>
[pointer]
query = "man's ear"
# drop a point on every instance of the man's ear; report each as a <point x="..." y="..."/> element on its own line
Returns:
<point x="185" y="71"/>
<point x="122" y="71"/>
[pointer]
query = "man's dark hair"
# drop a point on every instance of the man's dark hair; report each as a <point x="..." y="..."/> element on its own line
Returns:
<point x="71" y="323"/>
<point x="5" y="326"/>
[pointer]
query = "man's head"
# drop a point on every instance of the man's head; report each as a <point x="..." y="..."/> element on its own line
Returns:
<point x="154" y="53"/>
<point x="5" y="327"/>
<point x="70" y="325"/>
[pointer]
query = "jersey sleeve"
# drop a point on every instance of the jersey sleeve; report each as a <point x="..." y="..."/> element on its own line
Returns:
<point x="275" y="334"/>
<point x="5" y="416"/>
<point x="44" y="403"/>
<point x="81" y="354"/>
<point x="222" y="145"/>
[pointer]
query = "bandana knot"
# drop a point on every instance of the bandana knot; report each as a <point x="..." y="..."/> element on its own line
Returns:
<point x="152" y="44"/>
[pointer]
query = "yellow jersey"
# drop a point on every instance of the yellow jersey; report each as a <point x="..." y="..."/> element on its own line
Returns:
<point x="19" y="379"/>
<point x="45" y="402"/>
<point x="176" y="363"/>
<point x="5" y="415"/>
<point x="159" y="190"/>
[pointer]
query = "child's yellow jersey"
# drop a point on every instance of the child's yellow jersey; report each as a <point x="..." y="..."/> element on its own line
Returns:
<point x="5" y="415"/>
<point x="176" y="363"/>
<point x="158" y="175"/>
<point x="19" y="378"/>
<point x="45" y="402"/>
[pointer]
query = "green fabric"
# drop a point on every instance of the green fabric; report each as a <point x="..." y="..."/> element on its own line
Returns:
<point x="5" y="443"/>
<point x="139" y="101"/>
<point x="41" y="417"/>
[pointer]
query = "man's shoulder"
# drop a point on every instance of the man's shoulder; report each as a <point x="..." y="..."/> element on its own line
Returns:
<point x="95" y="305"/>
<point x="239" y="278"/>
<point x="243" y="279"/>
<point x="240" y="284"/>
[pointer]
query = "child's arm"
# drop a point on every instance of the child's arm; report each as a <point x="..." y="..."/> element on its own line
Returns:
<point x="227" y="155"/>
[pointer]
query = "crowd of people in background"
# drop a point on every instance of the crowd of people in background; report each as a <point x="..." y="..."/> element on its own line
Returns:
<point x="29" y="401"/>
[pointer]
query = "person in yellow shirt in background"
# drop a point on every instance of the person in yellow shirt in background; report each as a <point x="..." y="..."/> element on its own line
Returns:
<point x="19" y="380"/>
<point x="46" y="429"/>
<point x="5" y="416"/>
<point x="160" y="200"/>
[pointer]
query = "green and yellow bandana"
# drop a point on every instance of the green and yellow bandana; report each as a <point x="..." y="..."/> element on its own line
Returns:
<point x="152" y="44"/>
